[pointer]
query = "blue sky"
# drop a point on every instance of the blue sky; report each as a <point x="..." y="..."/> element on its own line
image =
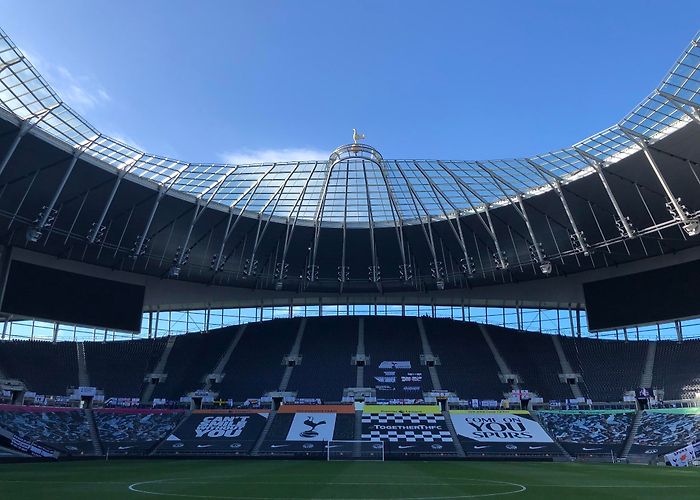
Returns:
<point x="261" y="80"/>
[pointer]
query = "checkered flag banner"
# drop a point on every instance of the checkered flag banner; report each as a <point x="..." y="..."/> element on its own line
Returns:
<point x="405" y="427"/>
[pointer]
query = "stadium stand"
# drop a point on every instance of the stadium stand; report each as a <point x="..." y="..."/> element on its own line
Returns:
<point x="255" y="367"/>
<point x="609" y="367"/>
<point x="390" y="339"/>
<point x="119" y="367"/>
<point x="534" y="359"/>
<point x="64" y="429"/>
<point x="327" y="348"/>
<point x="130" y="431"/>
<point x="192" y="358"/>
<point x="665" y="430"/>
<point x="588" y="432"/>
<point x="676" y="369"/>
<point x="58" y="361"/>
<point x="466" y="365"/>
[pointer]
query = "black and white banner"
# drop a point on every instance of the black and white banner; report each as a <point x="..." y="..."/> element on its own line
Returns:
<point x="499" y="428"/>
<point x="312" y="427"/>
<point x="485" y="433"/>
<point x="408" y="432"/>
<point x="203" y="433"/>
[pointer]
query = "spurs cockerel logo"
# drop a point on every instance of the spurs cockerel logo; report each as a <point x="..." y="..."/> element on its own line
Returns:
<point x="311" y="431"/>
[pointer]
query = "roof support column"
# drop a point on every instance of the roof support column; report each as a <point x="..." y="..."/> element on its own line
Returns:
<point x="467" y="265"/>
<point x="47" y="212"/>
<point x="598" y="167"/>
<point x="374" y="271"/>
<point x="259" y="234"/>
<point x="138" y="249"/>
<point x="312" y="272"/>
<point x="691" y="225"/>
<point x="536" y="250"/>
<point x="289" y="231"/>
<point x="23" y="129"/>
<point x="97" y="228"/>
<point x="500" y="260"/>
<point x="557" y="187"/>
<point x="218" y="260"/>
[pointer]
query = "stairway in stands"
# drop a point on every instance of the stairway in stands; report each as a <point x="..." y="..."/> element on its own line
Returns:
<point x="83" y="375"/>
<point x="648" y="372"/>
<point x="150" y="387"/>
<point x="536" y="418"/>
<point x="502" y="366"/>
<point x="94" y="435"/>
<point x="644" y="381"/>
<point x="360" y="378"/>
<point x="566" y="366"/>
<point x="223" y="360"/>
<point x="455" y="437"/>
<point x="428" y="353"/>
<point x="631" y="434"/>
<point x="293" y="353"/>
<point x="264" y="433"/>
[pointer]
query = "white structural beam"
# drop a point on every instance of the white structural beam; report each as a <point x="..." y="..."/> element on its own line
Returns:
<point x="598" y="167"/>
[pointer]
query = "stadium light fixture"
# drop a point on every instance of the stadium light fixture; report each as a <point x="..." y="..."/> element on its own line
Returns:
<point x="692" y="227"/>
<point x="546" y="267"/>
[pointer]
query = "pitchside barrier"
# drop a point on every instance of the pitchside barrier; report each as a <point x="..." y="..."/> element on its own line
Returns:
<point x="355" y="450"/>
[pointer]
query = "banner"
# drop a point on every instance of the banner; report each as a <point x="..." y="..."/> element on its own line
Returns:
<point x="295" y="408"/>
<point x="683" y="457"/>
<point x="312" y="427"/>
<point x="489" y="412"/>
<point x="401" y="409"/>
<point x="499" y="428"/>
<point x="86" y="391"/>
<point x="218" y="433"/>
<point x="34" y="449"/>
<point x="395" y="365"/>
<point x="404" y="433"/>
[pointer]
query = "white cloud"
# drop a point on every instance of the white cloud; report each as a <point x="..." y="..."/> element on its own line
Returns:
<point x="248" y="156"/>
<point x="80" y="92"/>
<point x="126" y="139"/>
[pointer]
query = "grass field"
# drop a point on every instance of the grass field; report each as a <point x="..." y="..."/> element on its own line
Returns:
<point x="263" y="479"/>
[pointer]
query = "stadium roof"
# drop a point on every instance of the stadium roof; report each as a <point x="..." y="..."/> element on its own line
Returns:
<point x="357" y="186"/>
<point x="355" y="223"/>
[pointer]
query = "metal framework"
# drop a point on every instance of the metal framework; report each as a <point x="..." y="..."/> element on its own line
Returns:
<point x="356" y="188"/>
<point x="675" y="102"/>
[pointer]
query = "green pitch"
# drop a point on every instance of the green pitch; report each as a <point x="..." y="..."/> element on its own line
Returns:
<point x="263" y="479"/>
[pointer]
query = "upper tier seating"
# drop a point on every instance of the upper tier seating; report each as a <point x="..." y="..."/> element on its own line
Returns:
<point x="534" y="359"/>
<point x="394" y="339"/>
<point x="326" y="348"/>
<point x="467" y="365"/>
<point x="192" y="358"/>
<point x="609" y="367"/>
<point x="119" y="367"/>
<point x="255" y="366"/>
<point x="46" y="368"/>
<point x="677" y="369"/>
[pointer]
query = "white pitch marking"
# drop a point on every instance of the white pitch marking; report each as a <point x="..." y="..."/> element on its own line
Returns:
<point x="521" y="488"/>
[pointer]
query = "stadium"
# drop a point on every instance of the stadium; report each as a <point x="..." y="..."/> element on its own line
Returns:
<point x="354" y="326"/>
